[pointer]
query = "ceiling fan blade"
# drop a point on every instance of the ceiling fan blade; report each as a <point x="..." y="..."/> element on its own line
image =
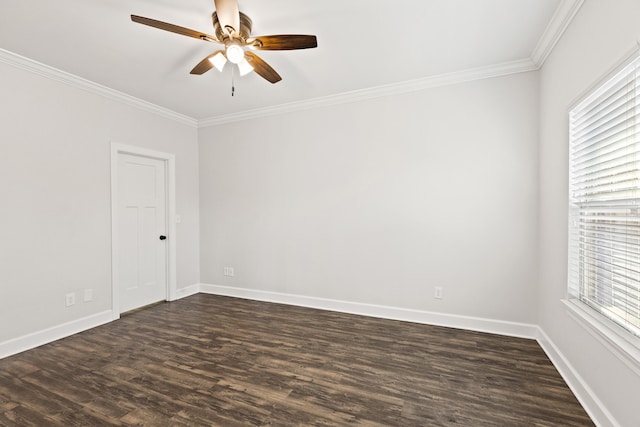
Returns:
<point x="205" y="65"/>
<point x="262" y="68"/>
<point x="173" y="28"/>
<point x="286" y="42"/>
<point x="228" y="15"/>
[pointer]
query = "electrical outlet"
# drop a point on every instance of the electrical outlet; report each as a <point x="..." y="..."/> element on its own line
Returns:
<point x="70" y="299"/>
<point x="437" y="292"/>
<point x="231" y="272"/>
<point x="88" y="295"/>
<point x="228" y="271"/>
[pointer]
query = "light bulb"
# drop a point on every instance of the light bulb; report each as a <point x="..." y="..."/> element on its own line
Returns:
<point x="218" y="60"/>
<point x="244" y="67"/>
<point x="235" y="53"/>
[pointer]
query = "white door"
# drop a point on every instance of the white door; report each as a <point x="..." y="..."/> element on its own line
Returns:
<point x="142" y="248"/>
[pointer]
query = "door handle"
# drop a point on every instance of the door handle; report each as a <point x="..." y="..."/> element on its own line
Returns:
<point x="163" y="237"/>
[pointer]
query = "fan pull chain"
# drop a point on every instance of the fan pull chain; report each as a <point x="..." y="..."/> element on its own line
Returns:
<point x="233" y="81"/>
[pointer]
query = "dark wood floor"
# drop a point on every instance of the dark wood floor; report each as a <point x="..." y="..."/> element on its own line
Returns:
<point x="210" y="360"/>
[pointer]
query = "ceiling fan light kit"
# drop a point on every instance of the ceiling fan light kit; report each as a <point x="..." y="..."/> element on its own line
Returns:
<point x="233" y="30"/>
<point x="244" y="67"/>
<point x="218" y="60"/>
<point x="235" y="54"/>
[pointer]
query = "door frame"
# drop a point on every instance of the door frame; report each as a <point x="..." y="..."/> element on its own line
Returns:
<point x="170" y="200"/>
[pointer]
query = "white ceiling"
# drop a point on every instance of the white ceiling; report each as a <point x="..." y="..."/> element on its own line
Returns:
<point x="362" y="44"/>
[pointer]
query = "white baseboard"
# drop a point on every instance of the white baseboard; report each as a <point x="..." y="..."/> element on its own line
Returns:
<point x="187" y="291"/>
<point x="46" y="336"/>
<point x="36" y="339"/>
<point x="521" y="330"/>
<point x="587" y="398"/>
<point x="592" y="405"/>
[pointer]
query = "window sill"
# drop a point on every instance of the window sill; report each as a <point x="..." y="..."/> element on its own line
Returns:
<point x="626" y="348"/>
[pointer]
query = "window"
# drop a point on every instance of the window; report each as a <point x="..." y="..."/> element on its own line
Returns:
<point x="604" y="199"/>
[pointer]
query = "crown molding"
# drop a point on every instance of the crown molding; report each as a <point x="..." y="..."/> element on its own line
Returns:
<point x="447" y="79"/>
<point x="43" y="70"/>
<point x="558" y="24"/>
<point x="562" y="17"/>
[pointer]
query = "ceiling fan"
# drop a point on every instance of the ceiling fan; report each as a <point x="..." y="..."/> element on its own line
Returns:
<point x="233" y="30"/>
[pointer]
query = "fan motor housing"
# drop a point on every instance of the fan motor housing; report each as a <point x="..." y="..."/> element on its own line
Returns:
<point x="245" y="27"/>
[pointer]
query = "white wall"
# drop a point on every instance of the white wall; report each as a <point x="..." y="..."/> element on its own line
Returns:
<point x="374" y="202"/>
<point x="598" y="38"/>
<point x="55" y="207"/>
<point x="379" y="201"/>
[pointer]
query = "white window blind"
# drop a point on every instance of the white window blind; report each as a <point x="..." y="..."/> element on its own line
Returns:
<point x="604" y="205"/>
